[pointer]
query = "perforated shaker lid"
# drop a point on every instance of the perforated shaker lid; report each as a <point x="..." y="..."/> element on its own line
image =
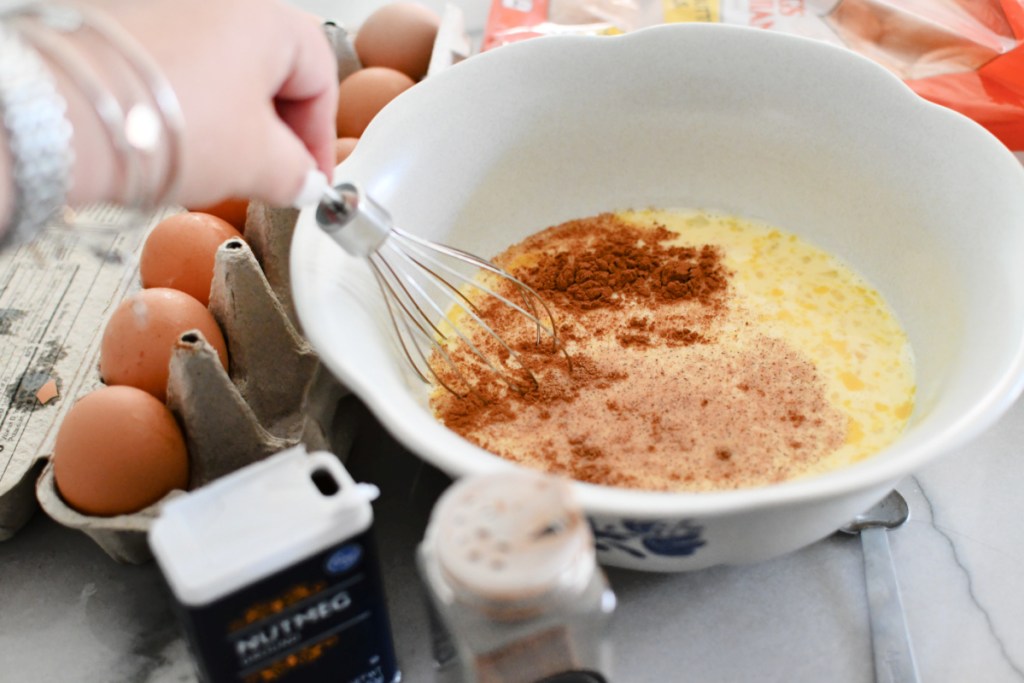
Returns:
<point x="511" y="536"/>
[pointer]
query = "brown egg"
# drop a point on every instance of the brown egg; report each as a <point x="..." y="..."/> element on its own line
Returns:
<point x="140" y="335"/>
<point x="399" y="36"/>
<point x="233" y="210"/>
<point x="363" y="94"/>
<point x="343" y="147"/>
<point x="118" y="450"/>
<point x="181" y="250"/>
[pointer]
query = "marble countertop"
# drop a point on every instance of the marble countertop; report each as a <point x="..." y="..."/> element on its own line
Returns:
<point x="69" y="613"/>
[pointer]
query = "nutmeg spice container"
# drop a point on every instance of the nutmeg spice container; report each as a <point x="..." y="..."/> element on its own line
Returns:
<point x="516" y="593"/>
<point x="275" y="574"/>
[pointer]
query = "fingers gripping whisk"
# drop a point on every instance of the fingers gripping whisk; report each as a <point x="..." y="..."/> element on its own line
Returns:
<point x="446" y="305"/>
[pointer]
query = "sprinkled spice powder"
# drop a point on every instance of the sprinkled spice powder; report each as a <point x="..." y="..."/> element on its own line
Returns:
<point x="674" y="383"/>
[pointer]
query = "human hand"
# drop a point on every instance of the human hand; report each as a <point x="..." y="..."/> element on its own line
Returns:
<point x="257" y="84"/>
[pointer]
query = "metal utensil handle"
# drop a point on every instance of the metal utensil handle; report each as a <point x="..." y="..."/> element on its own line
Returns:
<point x="353" y="220"/>
<point x="890" y="638"/>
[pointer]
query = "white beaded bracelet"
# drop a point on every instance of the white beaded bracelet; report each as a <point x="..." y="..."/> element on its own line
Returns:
<point x="134" y="101"/>
<point x="154" y="123"/>
<point x="34" y="117"/>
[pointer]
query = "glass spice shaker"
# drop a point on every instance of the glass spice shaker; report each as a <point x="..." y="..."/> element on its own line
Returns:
<point x="516" y="593"/>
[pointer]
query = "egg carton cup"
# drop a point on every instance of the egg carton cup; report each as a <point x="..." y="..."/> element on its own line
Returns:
<point x="19" y="502"/>
<point x="122" y="537"/>
<point x="276" y="395"/>
<point x="341" y="41"/>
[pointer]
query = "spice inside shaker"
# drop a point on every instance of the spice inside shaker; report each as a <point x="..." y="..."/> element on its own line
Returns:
<point x="509" y="562"/>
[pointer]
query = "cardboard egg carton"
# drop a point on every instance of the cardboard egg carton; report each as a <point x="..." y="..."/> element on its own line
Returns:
<point x="275" y="395"/>
<point x="340" y="39"/>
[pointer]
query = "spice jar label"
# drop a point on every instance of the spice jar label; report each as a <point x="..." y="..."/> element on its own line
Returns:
<point x="305" y="623"/>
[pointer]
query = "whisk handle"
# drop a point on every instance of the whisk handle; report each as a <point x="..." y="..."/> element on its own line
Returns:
<point x="353" y="220"/>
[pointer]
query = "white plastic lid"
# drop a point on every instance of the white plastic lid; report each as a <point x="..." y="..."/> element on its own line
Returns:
<point x="510" y="536"/>
<point x="256" y="521"/>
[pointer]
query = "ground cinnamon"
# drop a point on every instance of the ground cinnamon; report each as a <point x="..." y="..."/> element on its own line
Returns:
<point x="604" y="262"/>
<point x="652" y="400"/>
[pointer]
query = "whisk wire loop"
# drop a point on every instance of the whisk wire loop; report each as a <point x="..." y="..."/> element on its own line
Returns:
<point x="405" y="282"/>
<point x="432" y="292"/>
<point x="410" y="331"/>
<point x="530" y="297"/>
<point x="422" y="278"/>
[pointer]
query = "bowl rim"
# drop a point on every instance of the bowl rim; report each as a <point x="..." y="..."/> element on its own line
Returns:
<point x="871" y="473"/>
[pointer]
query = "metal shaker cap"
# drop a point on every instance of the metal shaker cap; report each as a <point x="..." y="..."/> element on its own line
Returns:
<point x="511" y="537"/>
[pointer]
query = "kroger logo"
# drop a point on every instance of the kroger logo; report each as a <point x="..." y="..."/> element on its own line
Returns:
<point x="344" y="558"/>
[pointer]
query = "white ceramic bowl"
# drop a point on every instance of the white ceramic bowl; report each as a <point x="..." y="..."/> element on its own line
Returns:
<point x="811" y="138"/>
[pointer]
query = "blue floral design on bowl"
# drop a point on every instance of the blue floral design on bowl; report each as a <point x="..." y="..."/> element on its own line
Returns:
<point x="643" y="538"/>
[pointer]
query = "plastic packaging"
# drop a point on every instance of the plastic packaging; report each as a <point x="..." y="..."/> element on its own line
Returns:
<point x="967" y="55"/>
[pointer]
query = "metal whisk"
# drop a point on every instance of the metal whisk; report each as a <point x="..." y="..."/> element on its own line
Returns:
<point x="434" y="295"/>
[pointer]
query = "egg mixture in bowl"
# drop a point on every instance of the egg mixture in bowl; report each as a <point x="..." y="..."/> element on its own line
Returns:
<point x="705" y="352"/>
<point x="820" y="160"/>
